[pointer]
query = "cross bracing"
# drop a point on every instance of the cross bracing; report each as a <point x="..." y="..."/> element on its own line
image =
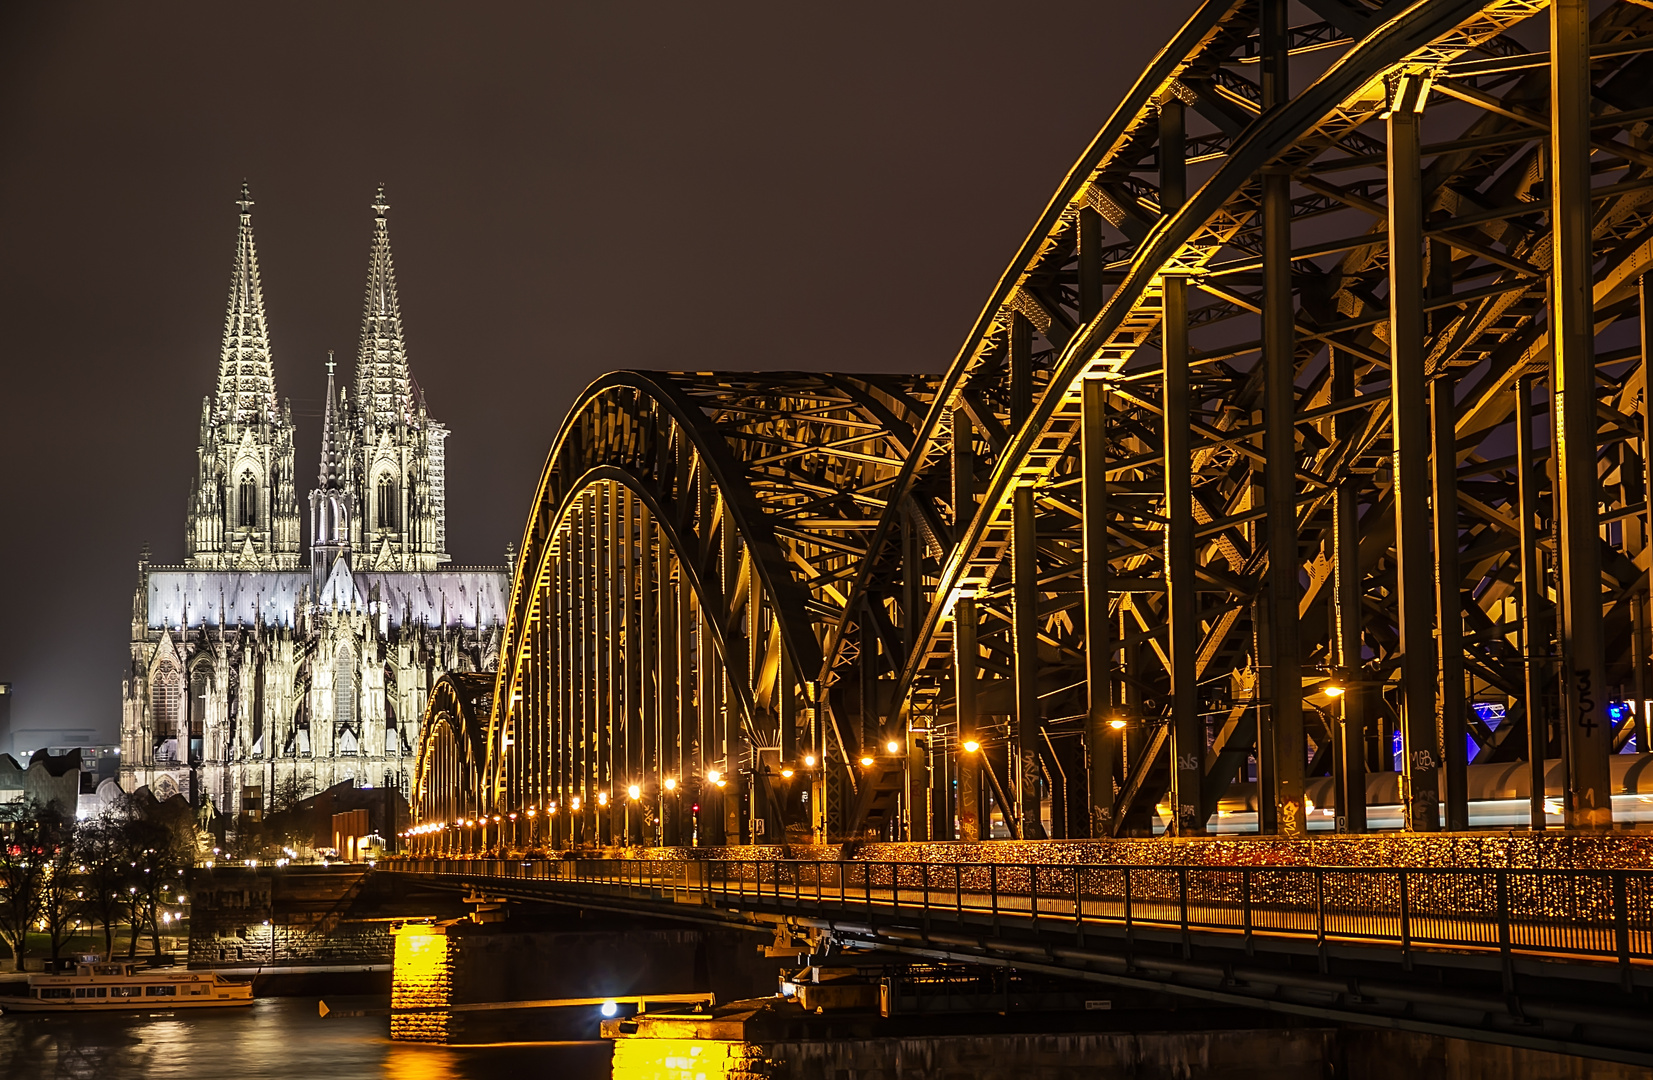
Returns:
<point x="1309" y="421"/>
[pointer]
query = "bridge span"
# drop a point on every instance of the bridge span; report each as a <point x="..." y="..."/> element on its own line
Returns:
<point x="1304" y="443"/>
<point x="1298" y="465"/>
<point x="1558" y="960"/>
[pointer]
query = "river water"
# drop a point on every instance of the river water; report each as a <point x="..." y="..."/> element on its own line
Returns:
<point x="274" y="1039"/>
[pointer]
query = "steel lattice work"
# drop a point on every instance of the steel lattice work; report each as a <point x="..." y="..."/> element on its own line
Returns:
<point x="1309" y="421"/>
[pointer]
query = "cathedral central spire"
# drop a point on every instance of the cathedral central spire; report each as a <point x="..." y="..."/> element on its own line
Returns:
<point x="384" y="388"/>
<point x="330" y="455"/>
<point x="246" y="374"/>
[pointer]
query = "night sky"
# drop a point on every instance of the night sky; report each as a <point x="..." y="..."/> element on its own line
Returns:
<point x="573" y="189"/>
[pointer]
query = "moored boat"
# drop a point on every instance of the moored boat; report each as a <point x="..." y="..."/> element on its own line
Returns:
<point x="107" y="985"/>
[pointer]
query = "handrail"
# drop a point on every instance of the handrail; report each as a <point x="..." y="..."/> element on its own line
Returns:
<point x="1570" y="913"/>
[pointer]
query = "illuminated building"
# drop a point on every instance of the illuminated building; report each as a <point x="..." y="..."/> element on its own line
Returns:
<point x="257" y="673"/>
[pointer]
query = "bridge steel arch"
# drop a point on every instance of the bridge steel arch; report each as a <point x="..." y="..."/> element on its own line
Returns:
<point x="1117" y="595"/>
<point x="453" y="750"/>
<point x="1310" y="422"/>
<point x="691" y="539"/>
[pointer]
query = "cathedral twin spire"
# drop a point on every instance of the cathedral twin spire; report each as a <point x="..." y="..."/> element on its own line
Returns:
<point x="384" y="388"/>
<point x="243" y="511"/>
<point x="246" y="375"/>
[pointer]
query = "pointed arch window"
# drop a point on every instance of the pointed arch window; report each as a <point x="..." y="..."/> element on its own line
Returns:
<point x="166" y="704"/>
<point x="247" y="502"/>
<point x="386" y="502"/>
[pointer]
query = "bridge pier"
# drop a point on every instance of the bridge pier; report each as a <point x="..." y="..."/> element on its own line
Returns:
<point x="444" y="970"/>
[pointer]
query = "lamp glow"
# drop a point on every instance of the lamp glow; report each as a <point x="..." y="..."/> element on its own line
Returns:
<point x="893" y="747"/>
<point x="610" y="1008"/>
<point x="602" y="798"/>
<point x="971" y="746"/>
<point x="1117" y="725"/>
<point x="713" y="775"/>
<point x="809" y="761"/>
<point x="1334" y="690"/>
<point x="671" y="783"/>
<point x="866" y="760"/>
<point x="786" y="773"/>
<point x="574" y="803"/>
<point x="634" y="791"/>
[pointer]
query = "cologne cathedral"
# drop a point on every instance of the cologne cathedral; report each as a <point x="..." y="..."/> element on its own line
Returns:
<point x="262" y="672"/>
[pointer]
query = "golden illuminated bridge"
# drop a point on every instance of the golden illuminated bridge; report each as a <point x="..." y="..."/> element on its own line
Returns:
<point x="1294" y="476"/>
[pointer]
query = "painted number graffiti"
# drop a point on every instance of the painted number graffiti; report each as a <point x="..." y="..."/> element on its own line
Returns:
<point x="1586" y="701"/>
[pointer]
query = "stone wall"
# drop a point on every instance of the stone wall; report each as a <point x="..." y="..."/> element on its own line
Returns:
<point x="284" y="917"/>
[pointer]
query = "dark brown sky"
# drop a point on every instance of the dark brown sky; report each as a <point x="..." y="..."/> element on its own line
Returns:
<point x="574" y="188"/>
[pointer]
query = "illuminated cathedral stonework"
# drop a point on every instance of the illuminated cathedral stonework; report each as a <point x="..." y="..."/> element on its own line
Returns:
<point x="259" y="674"/>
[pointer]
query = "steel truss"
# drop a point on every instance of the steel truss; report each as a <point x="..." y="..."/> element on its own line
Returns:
<point x="1322" y="371"/>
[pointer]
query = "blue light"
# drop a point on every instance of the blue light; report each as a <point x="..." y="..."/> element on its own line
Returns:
<point x="1618" y="710"/>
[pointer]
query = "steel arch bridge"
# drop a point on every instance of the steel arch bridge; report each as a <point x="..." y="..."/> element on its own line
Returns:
<point x="1304" y="441"/>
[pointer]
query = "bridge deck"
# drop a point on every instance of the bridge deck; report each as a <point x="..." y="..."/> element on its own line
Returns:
<point x="1563" y="915"/>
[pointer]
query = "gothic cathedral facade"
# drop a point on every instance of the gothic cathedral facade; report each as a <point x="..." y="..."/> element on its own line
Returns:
<point x="260" y="672"/>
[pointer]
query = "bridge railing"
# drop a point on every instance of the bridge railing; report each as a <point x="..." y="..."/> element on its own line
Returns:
<point x="1562" y="914"/>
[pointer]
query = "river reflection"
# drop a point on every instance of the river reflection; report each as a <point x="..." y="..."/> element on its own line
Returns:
<point x="275" y="1039"/>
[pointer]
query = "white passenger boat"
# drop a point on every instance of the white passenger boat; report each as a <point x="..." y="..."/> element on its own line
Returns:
<point x="103" y="986"/>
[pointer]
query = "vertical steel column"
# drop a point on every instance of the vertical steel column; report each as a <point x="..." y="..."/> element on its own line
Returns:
<point x="1449" y="605"/>
<point x="691" y="762"/>
<point x="648" y="645"/>
<point x="1644" y="641"/>
<point x="1585" y="722"/>
<point x="613" y="675"/>
<point x="566" y="670"/>
<point x="1534" y="656"/>
<point x="668" y="692"/>
<point x="1280" y="742"/>
<point x="1181" y="599"/>
<point x="632" y="653"/>
<point x="1346" y="609"/>
<point x="918" y="787"/>
<point x="1025" y="637"/>
<point x="1099" y="738"/>
<point x="965" y="656"/>
<point x="1410" y="426"/>
<point x="789" y="711"/>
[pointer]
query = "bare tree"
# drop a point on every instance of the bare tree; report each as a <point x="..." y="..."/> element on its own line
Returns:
<point x="104" y="874"/>
<point x="157" y="853"/>
<point x="28" y="832"/>
<point x="60" y="891"/>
